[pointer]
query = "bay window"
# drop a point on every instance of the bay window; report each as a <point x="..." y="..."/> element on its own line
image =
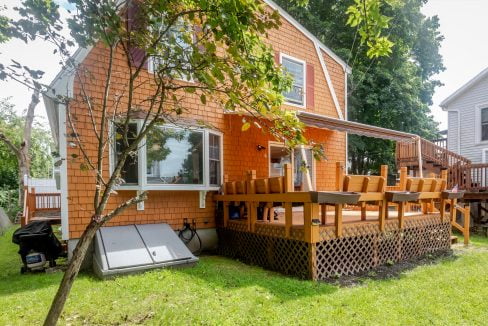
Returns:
<point x="172" y="158"/>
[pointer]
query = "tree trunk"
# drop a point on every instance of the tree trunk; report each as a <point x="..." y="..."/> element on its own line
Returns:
<point x="23" y="153"/>
<point x="74" y="266"/>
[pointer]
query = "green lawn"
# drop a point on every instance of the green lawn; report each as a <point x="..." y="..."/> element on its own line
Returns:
<point x="222" y="291"/>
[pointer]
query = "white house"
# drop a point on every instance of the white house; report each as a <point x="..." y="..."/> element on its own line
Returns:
<point x="467" y="110"/>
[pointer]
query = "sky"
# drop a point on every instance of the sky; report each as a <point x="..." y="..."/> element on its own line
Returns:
<point x="465" y="52"/>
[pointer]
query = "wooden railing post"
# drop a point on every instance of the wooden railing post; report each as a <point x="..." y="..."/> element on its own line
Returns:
<point x="288" y="176"/>
<point x="252" y="209"/>
<point x="339" y="175"/>
<point x="467" y="221"/>
<point x="384" y="171"/>
<point x="403" y="178"/>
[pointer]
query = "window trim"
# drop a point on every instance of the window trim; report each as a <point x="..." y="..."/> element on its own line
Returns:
<point x="304" y="64"/>
<point x="477" y="138"/>
<point x="142" y="162"/>
<point x="482" y="123"/>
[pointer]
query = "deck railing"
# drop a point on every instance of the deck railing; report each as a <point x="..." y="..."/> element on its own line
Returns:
<point x="442" y="142"/>
<point x="471" y="177"/>
<point x="251" y="194"/>
<point x="431" y="152"/>
<point x="38" y="202"/>
<point x="48" y="201"/>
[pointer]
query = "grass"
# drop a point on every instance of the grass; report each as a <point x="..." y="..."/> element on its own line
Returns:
<point x="220" y="291"/>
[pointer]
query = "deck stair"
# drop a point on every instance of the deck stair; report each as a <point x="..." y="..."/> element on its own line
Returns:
<point x="436" y="157"/>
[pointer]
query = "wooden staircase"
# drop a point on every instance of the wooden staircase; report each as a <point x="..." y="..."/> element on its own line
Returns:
<point x="436" y="157"/>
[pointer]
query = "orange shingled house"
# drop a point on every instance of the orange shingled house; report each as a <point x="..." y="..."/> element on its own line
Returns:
<point x="320" y="80"/>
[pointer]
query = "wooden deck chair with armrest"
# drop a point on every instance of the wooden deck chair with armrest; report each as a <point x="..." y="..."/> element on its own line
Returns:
<point x="430" y="188"/>
<point x="273" y="185"/>
<point x="236" y="188"/>
<point x="373" y="185"/>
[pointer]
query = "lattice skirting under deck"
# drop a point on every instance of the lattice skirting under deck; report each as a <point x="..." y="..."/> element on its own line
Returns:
<point x="361" y="248"/>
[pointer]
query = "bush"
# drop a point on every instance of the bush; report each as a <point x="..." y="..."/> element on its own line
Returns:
<point x="9" y="201"/>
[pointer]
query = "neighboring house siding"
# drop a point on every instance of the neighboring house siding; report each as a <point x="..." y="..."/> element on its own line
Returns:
<point x="453" y="133"/>
<point x="468" y="104"/>
<point x="239" y="148"/>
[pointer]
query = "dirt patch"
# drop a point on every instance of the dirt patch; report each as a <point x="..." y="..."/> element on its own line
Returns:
<point x="393" y="270"/>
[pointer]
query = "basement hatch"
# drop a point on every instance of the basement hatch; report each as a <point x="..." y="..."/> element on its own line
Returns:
<point x="135" y="248"/>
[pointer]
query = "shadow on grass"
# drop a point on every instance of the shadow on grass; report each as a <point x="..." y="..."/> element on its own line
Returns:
<point x="229" y="274"/>
<point x="394" y="270"/>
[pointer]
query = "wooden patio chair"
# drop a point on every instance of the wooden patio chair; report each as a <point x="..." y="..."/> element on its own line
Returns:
<point x="366" y="184"/>
<point x="430" y="189"/>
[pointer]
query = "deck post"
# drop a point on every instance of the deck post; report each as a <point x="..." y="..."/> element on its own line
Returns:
<point x="251" y="206"/>
<point x="401" y="214"/>
<point x="382" y="217"/>
<point x="384" y="171"/>
<point x="442" y="209"/>
<point x="288" y="176"/>
<point x="339" y="175"/>
<point x="311" y="229"/>
<point x="467" y="221"/>
<point x="288" y="219"/>
<point x="226" y="213"/>
<point x="323" y="214"/>
<point x="403" y="178"/>
<point x="338" y="220"/>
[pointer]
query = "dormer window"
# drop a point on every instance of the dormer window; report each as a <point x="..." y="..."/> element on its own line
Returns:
<point x="296" y="69"/>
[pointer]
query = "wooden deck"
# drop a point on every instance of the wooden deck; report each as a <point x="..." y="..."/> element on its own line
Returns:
<point x="317" y="234"/>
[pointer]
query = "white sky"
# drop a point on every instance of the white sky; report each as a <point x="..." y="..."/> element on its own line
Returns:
<point x="465" y="47"/>
<point x="465" y="51"/>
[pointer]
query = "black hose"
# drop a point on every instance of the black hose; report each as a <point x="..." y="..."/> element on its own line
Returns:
<point x="188" y="229"/>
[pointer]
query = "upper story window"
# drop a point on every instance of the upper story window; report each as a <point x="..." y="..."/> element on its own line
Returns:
<point x="172" y="158"/>
<point x="176" y="51"/>
<point x="296" y="68"/>
<point x="484" y="124"/>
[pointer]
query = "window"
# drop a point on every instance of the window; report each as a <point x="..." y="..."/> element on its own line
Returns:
<point x="214" y="159"/>
<point x="172" y="158"/>
<point x="130" y="169"/>
<point x="296" y="68"/>
<point x="484" y="124"/>
<point x="301" y="159"/>
<point x="176" y="44"/>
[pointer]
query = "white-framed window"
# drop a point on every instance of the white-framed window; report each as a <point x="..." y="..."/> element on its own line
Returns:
<point x="297" y="69"/>
<point x="300" y="158"/>
<point x="172" y="158"/>
<point x="176" y="44"/>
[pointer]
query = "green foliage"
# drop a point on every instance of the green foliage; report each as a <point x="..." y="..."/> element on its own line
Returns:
<point x="9" y="202"/>
<point x="12" y="125"/>
<point x="392" y="92"/>
<point x="367" y="17"/>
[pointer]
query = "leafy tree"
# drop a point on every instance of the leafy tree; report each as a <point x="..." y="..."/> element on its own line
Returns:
<point x="217" y="43"/>
<point x="393" y="91"/>
<point x="25" y="147"/>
